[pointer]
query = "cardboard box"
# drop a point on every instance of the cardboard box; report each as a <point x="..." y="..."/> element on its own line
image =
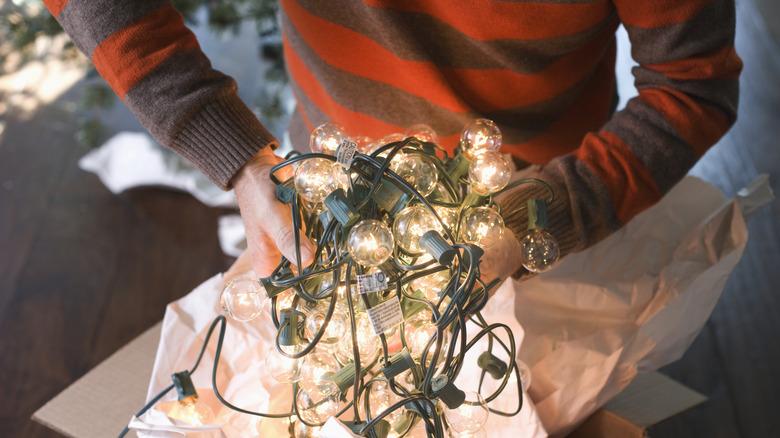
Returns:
<point x="116" y="389"/>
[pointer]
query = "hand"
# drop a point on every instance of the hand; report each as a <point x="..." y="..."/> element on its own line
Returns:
<point x="501" y="260"/>
<point x="268" y="222"/>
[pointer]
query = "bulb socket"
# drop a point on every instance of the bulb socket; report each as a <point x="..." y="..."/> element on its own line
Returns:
<point x="492" y="365"/>
<point x="184" y="386"/>
<point x="390" y="198"/>
<point x="537" y="214"/>
<point x="400" y="362"/>
<point x="285" y="192"/>
<point x="447" y="392"/>
<point x="380" y="430"/>
<point x="345" y="377"/>
<point x="338" y="205"/>
<point x="271" y="290"/>
<point x="437" y="247"/>
<point x="291" y="323"/>
<point x="458" y="167"/>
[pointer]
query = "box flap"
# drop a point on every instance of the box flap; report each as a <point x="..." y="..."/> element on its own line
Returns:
<point x="113" y="390"/>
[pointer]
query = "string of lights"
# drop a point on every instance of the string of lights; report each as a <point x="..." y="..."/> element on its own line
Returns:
<point x="377" y="328"/>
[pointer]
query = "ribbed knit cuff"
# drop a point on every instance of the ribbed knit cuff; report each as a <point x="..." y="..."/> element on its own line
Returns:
<point x="514" y="210"/>
<point x="221" y="138"/>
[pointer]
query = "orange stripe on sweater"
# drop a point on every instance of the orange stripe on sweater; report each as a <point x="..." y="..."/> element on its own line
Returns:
<point x="482" y="89"/>
<point x="55" y="6"/>
<point x="720" y="64"/>
<point x="130" y="54"/>
<point x="354" y="122"/>
<point x="630" y="185"/>
<point x="698" y="124"/>
<point x="490" y="19"/>
<point x="657" y="13"/>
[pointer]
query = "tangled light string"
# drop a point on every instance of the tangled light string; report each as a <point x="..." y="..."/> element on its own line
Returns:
<point x="377" y="323"/>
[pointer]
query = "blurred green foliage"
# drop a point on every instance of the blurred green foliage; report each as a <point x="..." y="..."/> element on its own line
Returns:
<point x="24" y="22"/>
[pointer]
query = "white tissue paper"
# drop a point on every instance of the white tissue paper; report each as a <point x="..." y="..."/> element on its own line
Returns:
<point x="631" y="303"/>
<point x="133" y="159"/>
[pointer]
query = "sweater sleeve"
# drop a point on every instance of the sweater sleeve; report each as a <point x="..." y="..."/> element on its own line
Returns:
<point x="153" y="63"/>
<point x="687" y="81"/>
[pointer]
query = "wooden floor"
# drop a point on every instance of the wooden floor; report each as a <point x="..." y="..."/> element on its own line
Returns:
<point x="83" y="271"/>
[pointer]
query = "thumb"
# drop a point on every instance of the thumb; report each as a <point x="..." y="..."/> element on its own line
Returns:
<point x="279" y="228"/>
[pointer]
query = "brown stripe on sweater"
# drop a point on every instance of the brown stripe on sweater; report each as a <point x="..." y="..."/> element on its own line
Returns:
<point x="591" y="206"/>
<point x="720" y="93"/>
<point x="709" y="30"/>
<point x="175" y="90"/>
<point x="417" y="36"/>
<point x="654" y="142"/>
<point x="397" y="107"/>
<point x="104" y="17"/>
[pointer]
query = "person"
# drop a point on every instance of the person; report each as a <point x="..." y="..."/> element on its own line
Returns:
<point x="542" y="70"/>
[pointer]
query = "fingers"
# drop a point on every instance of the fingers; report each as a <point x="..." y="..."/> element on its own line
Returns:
<point x="279" y="227"/>
<point x="264" y="254"/>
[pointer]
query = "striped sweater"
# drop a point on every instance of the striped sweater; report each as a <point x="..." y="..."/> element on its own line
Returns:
<point x="542" y="70"/>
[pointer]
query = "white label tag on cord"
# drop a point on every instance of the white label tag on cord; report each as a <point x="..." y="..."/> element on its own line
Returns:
<point x="374" y="282"/>
<point x="386" y="315"/>
<point x="345" y="153"/>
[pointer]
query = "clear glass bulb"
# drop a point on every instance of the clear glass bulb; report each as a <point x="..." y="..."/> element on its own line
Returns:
<point x="410" y="224"/>
<point x="489" y="172"/>
<point x="370" y="242"/>
<point x="422" y="132"/>
<point x="316" y="178"/>
<point x="367" y="342"/>
<point x="318" y="365"/>
<point x="243" y="299"/>
<point x="301" y="430"/>
<point x="380" y="398"/>
<point x="416" y="170"/>
<point x="282" y="368"/>
<point x="479" y="136"/>
<point x="448" y="215"/>
<point x="317" y="401"/>
<point x="538" y="250"/>
<point x="469" y="417"/>
<point x="326" y="138"/>
<point x="431" y="284"/>
<point x="189" y="410"/>
<point x="481" y="433"/>
<point x="419" y="330"/>
<point x="482" y="226"/>
<point x="336" y="326"/>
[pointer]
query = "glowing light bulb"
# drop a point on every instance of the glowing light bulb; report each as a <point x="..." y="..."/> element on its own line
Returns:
<point x="189" y="410"/>
<point x="410" y="224"/>
<point x="489" y="172"/>
<point x="318" y="365"/>
<point x="416" y="170"/>
<point x="469" y="417"/>
<point x="419" y="330"/>
<point x="243" y="299"/>
<point x="448" y="215"/>
<point x="367" y="342"/>
<point x="479" y="136"/>
<point x="283" y="369"/>
<point x="482" y="226"/>
<point x="370" y="242"/>
<point x="335" y="329"/>
<point x="422" y="132"/>
<point x="431" y="284"/>
<point x="538" y="250"/>
<point x="317" y="401"/>
<point x="301" y="430"/>
<point x="316" y="178"/>
<point x="380" y="398"/>
<point x="326" y="138"/>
